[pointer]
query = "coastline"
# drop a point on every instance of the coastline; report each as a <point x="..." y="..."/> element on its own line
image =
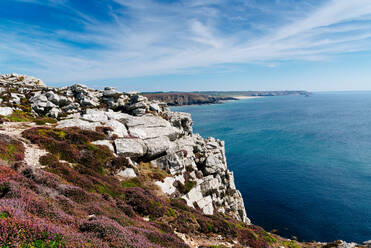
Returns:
<point x="246" y="97"/>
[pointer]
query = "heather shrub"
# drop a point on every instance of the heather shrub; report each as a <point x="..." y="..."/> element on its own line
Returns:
<point x="68" y="144"/>
<point x="253" y="236"/>
<point x="185" y="223"/>
<point x="144" y="202"/>
<point x="19" y="232"/>
<point x="180" y="204"/>
<point x="11" y="150"/>
<point x="44" y="120"/>
<point x="215" y="224"/>
<point x="117" y="236"/>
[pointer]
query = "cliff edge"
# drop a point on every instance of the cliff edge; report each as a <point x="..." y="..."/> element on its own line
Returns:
<point x="89" y="168"/>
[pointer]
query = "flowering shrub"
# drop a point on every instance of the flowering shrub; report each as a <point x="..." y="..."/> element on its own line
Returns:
<point x="81" y="203"/>
<point x="144" y="202"/>
<point x="15" y="232"/>
<point x="11" y="150"/>
<point x="70" y="144"/>
<point x="117" y="235"/>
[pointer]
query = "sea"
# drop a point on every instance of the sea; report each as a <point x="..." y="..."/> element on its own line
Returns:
<point x="302" y="164"/>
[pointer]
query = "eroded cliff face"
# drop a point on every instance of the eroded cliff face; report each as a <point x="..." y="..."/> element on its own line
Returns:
<point x="139" y="130"/>
<point x="88" y="168"/>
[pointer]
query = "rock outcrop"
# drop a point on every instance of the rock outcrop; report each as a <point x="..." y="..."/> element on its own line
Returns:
<point x="139" y="130"/>
<point x="186" y="98"/>
<point x="82" y="176"/>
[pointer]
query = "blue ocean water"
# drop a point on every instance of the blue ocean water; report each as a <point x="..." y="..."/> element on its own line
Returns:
<point x="302" y="164"/>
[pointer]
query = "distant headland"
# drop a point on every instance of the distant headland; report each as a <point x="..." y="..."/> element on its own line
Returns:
<point x="177" y="98"/>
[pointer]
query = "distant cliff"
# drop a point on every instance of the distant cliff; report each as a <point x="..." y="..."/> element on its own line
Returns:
<point x="185" y="98"/>
<point x="211" y="97"/>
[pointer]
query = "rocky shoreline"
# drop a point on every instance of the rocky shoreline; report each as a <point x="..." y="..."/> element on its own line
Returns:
<point x="137" y="136"/>
<point x="187" y="98"/>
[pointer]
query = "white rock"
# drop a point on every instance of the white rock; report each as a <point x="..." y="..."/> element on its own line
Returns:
<point x="118" y="128"/>
<point x="194" y="195"/>
<point x="118" y="116"/>
<point x="85" y="125"/>
<point x="167" y="186"/>
<point x="145" y="132"/>
<point x="95" y="115"/>
<point x="158" y="146"/>
<point x="109" y="91"/>
<point x="54" y="112"/>
<point x="127" y="173"/>
<point x="214" y="164"/>
<point x="209" y="184"/>
<point x="130" y="147"/>
<point x="52" y="97"/>
<point x="206" y="204"/>
<point x="6" y="111"/>
<point x="231" y="180"/>
<point x="155" y="107"/>
<point x="171" y="163"/>
<point x="15" y="98"/>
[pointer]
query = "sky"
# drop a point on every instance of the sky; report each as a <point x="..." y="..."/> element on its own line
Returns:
<point x="185" y="45"/>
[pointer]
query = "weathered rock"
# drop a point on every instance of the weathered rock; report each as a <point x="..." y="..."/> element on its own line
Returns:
<point x="109" y="91"/>
<point x="130" y="147"/>
<point x="54" y="112"/>
<point x="206" y="204"/>
<point x="118" y="128"/>
<point x="95" y="115"/>
<point x="23" y="80"/>
<point x="167" y="186"/>
<point x="85" y="125"/>
<point x="6" y="111"/>
<point x="127" y="173"/>
<point x="158" y="146"/>
<point x="51" y="96"/>
<point x="171" y="163"/>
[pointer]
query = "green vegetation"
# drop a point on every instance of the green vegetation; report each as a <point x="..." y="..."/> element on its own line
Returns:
<point x="20" y="116"/>
<point x="133" y="182"/>
<point x="4" y="215"/>
<point x="11" y="150"/>
<point x="186" y="187"/>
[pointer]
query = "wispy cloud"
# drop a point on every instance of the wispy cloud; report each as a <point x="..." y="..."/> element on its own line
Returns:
<point x="146" y="37"/>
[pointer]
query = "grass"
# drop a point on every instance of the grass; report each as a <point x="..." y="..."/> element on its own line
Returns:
<point x="11" y="150"/>
<point x="4" y="215"/>
<point x="132" y="182"/>
<point x="20" y="116"/>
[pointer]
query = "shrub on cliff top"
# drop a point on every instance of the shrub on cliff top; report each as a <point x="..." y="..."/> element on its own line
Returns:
<point x="11" y="150"/>
<point x="144" y="202"/>
<point x="71" y="144"/>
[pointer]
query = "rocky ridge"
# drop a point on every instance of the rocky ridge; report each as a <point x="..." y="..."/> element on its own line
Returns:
<point x="140" y="130"/>
<point x="142" y="136"/>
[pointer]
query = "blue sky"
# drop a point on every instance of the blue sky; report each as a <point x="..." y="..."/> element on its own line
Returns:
<point x="151" y="45"/>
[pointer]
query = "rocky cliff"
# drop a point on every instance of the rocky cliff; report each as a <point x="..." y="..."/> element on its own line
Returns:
<point x="140" y="130"/>
<point x="186" y="98"/>
<point x="89" y="168"/>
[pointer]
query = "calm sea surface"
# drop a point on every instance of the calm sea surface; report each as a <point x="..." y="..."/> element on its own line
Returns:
<point x="302" y="164"/>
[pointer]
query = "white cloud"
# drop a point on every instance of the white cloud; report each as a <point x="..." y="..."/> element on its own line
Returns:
<point x="171" y="38"/>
